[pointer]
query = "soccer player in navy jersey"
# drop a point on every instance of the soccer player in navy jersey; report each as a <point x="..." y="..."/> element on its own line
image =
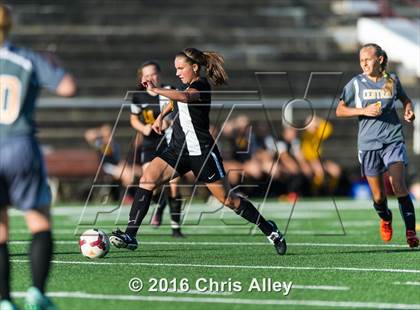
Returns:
<point x="192" y="148"/>
<point x="23" y="180"/>
<point x="372" y="96"/>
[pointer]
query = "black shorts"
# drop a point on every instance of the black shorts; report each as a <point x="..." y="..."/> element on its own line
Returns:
<point x="145" y="155"/>
<point x="207" y="167"/>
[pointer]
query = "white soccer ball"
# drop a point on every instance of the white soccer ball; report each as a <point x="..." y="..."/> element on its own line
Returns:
<point x="94" y="243"/>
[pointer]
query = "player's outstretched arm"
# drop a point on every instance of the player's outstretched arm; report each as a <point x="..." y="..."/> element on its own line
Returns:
<point x="189" y="95"/>
<point x="67" y="86"/>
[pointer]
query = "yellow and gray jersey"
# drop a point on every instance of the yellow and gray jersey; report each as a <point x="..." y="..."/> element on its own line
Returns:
<point x="22" y="74"/>
<point x="147" y="108"/>
<point x="375" y="132"/>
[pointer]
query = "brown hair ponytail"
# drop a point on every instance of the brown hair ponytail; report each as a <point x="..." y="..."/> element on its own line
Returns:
<point x="389" y="84"/>
<point x="211" y="61"/>
<point x="214" y="68"/>
<point x="5" y="22"/>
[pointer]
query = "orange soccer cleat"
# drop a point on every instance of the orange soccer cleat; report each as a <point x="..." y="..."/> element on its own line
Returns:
<point x="386" y="230"/>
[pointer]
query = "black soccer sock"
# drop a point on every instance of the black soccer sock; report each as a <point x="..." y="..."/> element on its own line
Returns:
<point x="161" y="204"/>
<point x="138" y="211"/>
<point x="383" y="210"/>
<point x="251" y="214"/>
<point x="4" y="272"/>
<point x="40" y="256"/>
<point x="407" y="212"/>
<point x="175" y="205"/>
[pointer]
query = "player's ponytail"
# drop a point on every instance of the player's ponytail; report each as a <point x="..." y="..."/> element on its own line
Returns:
<point x="389" y="84"/>
<point x="214" y="68"/>
<point x="379" y="52"/>
<point x="211" y="61"/>
<point x="5" y="22"/>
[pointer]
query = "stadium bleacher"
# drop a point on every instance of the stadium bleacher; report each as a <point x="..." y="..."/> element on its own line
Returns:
<point x="102" y="43"/>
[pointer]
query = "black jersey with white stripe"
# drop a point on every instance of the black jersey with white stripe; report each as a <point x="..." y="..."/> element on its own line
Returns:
<point x="191" y="126"/>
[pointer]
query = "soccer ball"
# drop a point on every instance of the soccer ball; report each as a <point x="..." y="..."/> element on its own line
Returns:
<point x="94" y="243"/>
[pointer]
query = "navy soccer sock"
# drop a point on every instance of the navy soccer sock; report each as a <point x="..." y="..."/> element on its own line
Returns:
<point x="4" y="272"/>
<point x="383" y="210"/>
<point x="407" y="212"/>
<point x="40" y="256"/>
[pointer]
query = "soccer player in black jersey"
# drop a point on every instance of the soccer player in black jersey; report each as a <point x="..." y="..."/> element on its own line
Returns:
<point x="192" y="148"/>
<point x="146" y="107"/>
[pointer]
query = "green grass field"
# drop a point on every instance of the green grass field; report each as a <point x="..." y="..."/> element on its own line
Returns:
<point x="328" y="269"/>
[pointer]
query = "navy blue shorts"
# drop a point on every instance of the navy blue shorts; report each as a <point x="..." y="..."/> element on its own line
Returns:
<point x="23" y="180"/>
<point x="207" y="167"/>
<point x="376" y="162"/>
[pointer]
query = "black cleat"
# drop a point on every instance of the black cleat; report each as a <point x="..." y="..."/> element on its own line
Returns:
<point x="120" y="240"/>
<point x="176" y="233"/>
<point x="277" y="239"/>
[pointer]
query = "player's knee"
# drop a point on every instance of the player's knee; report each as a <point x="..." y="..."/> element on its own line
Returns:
<point x="231" y="202"/>
<point x="400" y="190"/>
<point x="38" y="220"/>
<point x="147" y="182"/>
<point x="4" y="235"/>
<point x="378" y="197"/>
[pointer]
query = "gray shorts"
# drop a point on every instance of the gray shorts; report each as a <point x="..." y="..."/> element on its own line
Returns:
<point x="376" y="162"/>
<point x="23" y="180"/>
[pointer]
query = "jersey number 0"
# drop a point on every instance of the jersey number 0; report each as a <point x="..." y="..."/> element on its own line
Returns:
<point x="10" y="90"/>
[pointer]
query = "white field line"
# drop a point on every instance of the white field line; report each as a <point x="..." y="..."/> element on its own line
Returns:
<point x="320" y="287"/>
<point x="351" y="269"/>
<point x="200" y="230"/>
<point x="195" y="292"/>
<point x="305" y="244"/>
<point x="220" y="300"/>
<point x="304" y="206"/>
<point x="409" y="283"/>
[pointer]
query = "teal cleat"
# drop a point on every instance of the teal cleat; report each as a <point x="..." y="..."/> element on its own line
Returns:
<point x="7" y="305"/>
<point x="35" y="300"/>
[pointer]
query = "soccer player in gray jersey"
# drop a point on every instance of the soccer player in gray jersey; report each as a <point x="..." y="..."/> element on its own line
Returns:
<point x="22" y="175"/>
<point x="372" y="96"/>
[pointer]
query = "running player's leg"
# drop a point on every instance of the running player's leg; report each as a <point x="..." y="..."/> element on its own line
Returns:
<point x="397" y="179"/>
<point x="40" y="254"/>
<point x="244" y="208"/>
<point x="156" y="173"/>
<point x="29" y="192"/>
<point x="380" y="204"/>
<point x="175" y="205"/>
<point x="4" y="256"/>
<point x="159" y="197"/>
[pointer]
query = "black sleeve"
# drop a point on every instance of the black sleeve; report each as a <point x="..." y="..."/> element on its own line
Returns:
<point x="203" y="87"/>
<point x="198" y="85"/>
<point x="136" y="98"/>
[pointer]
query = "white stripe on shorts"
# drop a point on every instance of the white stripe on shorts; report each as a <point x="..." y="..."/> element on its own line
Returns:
<point x="219" y="167"/>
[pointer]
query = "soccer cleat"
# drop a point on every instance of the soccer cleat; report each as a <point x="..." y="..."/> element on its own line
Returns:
<point x="176" y="233"/>
<point x="7" y="305"/>
<point x="120" y="240"/>
<point x="386" y="230"/>
<point x="156" y="220"/>
<point x="35" y="300"/>
<point x="277" y="239"/>
<point x="412" y="239"/>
